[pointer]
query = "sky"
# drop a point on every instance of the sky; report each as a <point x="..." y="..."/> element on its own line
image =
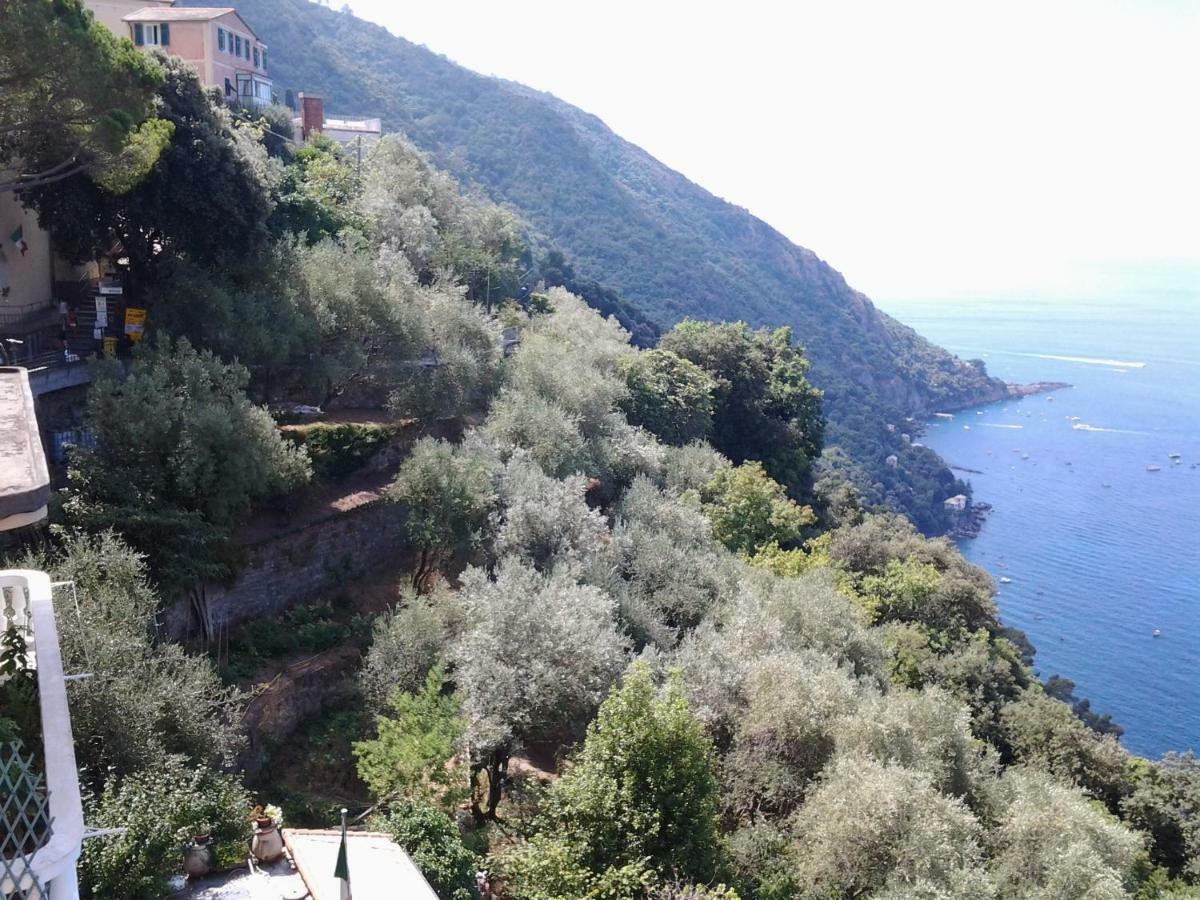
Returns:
<point x="924" y="149"/>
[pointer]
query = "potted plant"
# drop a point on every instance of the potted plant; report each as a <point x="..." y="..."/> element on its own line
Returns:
<point x="267" y="842"/>
<point x="198" y="854"/>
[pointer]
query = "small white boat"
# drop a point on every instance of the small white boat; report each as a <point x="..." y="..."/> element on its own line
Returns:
<point x="1156" y="632"/>
<point x="1153" y="468"/>
<point x="1174" y="456"/>
<point x="966" y="428"/>
<point x="1005" y="580"/>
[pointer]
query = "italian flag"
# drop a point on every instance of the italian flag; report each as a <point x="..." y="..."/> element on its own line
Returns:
<point x="341" y="869"/>
<point x="18" y="239"/>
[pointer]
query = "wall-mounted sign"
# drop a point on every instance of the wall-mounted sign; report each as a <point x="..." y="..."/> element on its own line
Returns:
<point x="135" y="323"/>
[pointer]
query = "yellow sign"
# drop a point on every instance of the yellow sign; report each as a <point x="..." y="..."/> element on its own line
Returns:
<point x="135" y="323"/>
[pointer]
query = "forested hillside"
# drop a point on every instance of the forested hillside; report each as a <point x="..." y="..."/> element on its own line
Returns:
<point x="627" y="221"/>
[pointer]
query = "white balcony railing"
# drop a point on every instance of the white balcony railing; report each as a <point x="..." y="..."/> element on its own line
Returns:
<point x="26" y="601"/>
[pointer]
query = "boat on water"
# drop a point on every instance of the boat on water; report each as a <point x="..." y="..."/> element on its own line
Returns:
<point x="1156" y="632"/>
<point x="1153" y="468"/>
<point x="1174" y="456"/>
<point x="1005" y="580"/>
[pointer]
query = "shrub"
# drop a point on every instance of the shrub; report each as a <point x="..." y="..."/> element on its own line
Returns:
<point x="433" y="842"/>
<point x="338" y="450"/>
<point x="160" y="809"/>
<point x="643" y="790"/>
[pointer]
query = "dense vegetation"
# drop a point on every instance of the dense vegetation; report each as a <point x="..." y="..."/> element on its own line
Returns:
<point x="663" y="243"/>
<point x="644" y="651"/>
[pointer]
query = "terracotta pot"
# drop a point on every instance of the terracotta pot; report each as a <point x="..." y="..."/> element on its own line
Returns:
<point x="267" y="843"/>
<point x="197" y="859"/>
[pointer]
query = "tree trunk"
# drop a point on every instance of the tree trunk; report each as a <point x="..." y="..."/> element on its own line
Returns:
<point x="495" y="767"/>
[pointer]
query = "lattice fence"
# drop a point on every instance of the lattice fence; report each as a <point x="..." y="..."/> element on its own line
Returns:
<point x="25" y="824"/>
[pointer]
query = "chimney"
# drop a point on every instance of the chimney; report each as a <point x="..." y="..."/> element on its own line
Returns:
<point x="312" y="114"/>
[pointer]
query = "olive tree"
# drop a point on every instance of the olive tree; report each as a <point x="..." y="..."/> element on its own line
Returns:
<point x="536" y="656"/>
<point x="1050" y="841"/>
<point x="872" y="827"/>
<point x="546" y="521"/>
<point x="448" y="493"/>
<point x="181" y="455"/>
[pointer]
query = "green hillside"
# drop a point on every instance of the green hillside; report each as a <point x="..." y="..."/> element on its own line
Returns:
<point x="631" y="223"/>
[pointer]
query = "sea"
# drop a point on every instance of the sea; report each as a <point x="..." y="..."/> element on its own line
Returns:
<point x="1094" y="539"/>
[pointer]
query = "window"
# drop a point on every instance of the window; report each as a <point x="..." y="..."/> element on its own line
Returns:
<point x="264" y="59"/>
<point x="256" y="57"/>
<point x="237" y="45"/>
<point x="247" y="48"/>
<point x="151" y="35"/>
<point x="220" y="38"/>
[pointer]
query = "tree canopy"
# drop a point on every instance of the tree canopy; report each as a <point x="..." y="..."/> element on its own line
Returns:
<point x="74" y="99"/>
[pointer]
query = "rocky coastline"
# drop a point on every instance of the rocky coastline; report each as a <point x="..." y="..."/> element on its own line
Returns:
<point x="1037" y="387"/>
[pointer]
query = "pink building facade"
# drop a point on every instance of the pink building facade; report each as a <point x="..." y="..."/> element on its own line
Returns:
<point x="215" y="41"/>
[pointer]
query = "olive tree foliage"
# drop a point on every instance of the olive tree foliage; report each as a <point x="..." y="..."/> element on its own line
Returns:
<point x="663" y="565"/>
<point x="412" y="208"/>
<point x="447" y="363"/>
<point x="690" y="467"/>
<point x="449" y="493"/>
<point x="561" y="395"/>
<point x="406" y="643"/>
<point x="870" y="827"/>
<point x="537" y="654"/>
<point x="175" y="477"/>
<point x="546" y="522"/>
<point x="1049" y="841"/>
<point x="926" y="732"/>
<point x="787" y="731"/>
<point x="535" y="657"/>
<point x="768" y="616"/>
<point x="146" y="701"/>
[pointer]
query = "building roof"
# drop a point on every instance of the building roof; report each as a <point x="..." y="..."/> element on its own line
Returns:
<point x="184" y="14"/>
<point x="369" y="125"/>
<point x="379" y="868"/>
<point x="24" y="478"/>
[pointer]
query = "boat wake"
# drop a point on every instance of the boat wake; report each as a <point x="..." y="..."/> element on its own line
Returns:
<point x="1088" y="360"/>
<point x="1083" y="426"/>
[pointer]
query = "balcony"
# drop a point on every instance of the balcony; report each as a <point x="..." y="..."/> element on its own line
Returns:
<point x="41" y="844"/>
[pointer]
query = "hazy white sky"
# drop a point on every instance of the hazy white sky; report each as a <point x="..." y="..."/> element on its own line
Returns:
<point x="922" y="148"/>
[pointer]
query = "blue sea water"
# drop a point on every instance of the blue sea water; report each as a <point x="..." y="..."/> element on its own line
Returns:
<point x="1100" y="552"/>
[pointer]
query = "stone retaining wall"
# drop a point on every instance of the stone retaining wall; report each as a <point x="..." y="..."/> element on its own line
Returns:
<point x="296" y="567"/>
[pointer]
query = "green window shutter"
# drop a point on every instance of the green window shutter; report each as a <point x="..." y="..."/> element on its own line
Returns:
<point x="139" y="34"/>
<point x="164" y="34"/>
